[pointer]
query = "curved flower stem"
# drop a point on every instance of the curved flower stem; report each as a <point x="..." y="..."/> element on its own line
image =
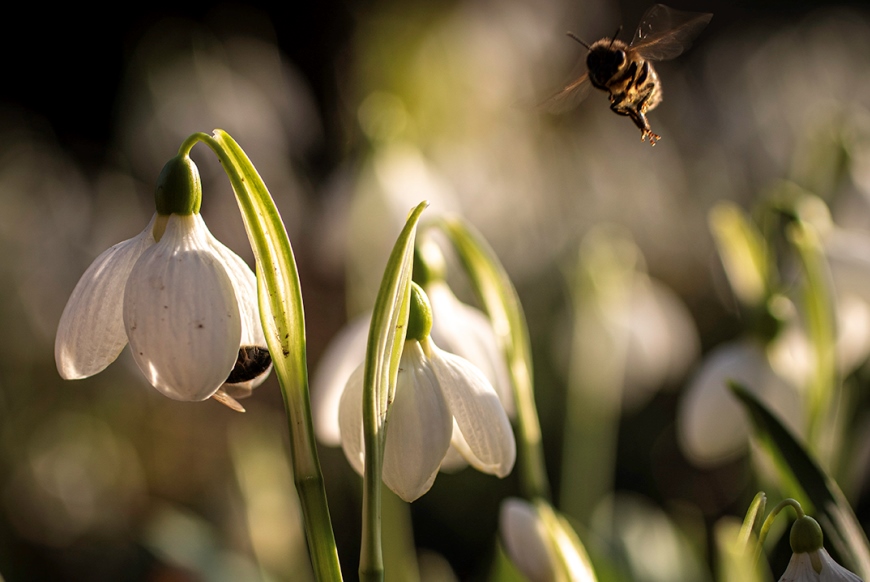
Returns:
<point x="765" y="528"/>
<point x="282" y="316"/>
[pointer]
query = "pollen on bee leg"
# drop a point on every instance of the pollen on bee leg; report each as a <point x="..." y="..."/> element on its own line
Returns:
<point x="227" y="400"/>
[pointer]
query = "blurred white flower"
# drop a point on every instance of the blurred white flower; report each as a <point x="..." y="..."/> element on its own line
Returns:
<point x="441" y="399"/>
<point x="541" y="545"/>
<point x="712" y="425"/>
<point x="186" y="304"/>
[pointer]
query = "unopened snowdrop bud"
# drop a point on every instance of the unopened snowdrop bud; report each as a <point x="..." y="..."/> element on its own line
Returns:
<point x="810" y="562"/>
<point x="541" y="544"/>
<point x="419" y="315"/>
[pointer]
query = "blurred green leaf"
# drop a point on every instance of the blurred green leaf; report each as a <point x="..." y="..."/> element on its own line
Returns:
<point x="832" y="509"/>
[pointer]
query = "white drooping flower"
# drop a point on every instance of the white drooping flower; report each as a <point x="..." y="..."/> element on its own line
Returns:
<point x="810" y="561"/>
<point x="441" y="400"/>
<point x="186" y="304"/>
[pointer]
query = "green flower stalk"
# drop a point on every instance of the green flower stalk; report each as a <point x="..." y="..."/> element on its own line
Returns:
<point x="282" y="317"/>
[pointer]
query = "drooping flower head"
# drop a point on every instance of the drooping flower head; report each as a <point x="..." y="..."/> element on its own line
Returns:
<point x="186" y="304"/>
<point x="441" y="400"/>
<point x="810" y="562"/>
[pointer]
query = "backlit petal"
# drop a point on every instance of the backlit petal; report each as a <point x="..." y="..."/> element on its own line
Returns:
<point x="834" y="572"/>
<point x="478" y="412"/>
<point x="419" y="427"/>
<point x="350" y="420"/>
<point x="466" y="332"/>
<point x="181" y="314"/>
<point x="800" y="569"/>
<point x="91" y="333"/>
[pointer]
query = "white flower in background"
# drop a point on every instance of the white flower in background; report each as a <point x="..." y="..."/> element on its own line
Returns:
<point x="712" y="425"/>
<point x="541" y="545"/>
<point x="810" y="561"/>
<point x="441" y="400"/>
<point x="186" y="304"/>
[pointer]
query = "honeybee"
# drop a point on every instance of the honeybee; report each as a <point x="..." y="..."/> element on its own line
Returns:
<point x="625" y="71"/>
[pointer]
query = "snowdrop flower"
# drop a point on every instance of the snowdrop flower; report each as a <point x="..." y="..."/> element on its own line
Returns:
<point x="541" y="545"/>
<point x="810" y="562"/>
<point x="457" y="328"/>
<point x="186" y="304"/>
<point x="441" y="400"/>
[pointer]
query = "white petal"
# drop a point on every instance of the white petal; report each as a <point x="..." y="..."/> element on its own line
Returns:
<point x="478" y="412"/>
<point x="419" y="427"/>
<point x="342" y="356"/>
<point x="245" y="284"/>
<point x="466" y="332"/>
<point x="350" y="420"/>
<point x="834" y="572"/>
<point x="181" y="313"/>
<point x="525" y="540"/>
<point x="800" y="569"/>
<point x="253" y="339"/>
<point x="91" y="333"/>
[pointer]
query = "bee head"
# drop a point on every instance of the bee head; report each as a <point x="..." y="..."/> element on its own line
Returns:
<point x="603" y="63"/>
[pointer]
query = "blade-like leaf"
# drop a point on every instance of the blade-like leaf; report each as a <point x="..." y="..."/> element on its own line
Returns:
<point x="832" y="510"/>
<point x="384" y="350"/>
<point x="282" y="317"/>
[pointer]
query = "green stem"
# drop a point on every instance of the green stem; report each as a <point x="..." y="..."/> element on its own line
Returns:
<point x="283" y="321"/>
<point x="383" y="353"/>
<point x="765" y="528"/>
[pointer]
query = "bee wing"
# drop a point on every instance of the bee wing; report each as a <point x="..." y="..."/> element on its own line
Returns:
<point x="664" y="33"/>
<point x="568" y="97"/>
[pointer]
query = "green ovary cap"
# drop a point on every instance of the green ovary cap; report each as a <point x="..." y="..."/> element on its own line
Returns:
<point x="806" y="535"/>
<point x="419" y="314"/>
<point x="179" y="189"/>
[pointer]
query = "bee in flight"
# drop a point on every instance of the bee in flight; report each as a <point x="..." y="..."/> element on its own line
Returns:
<point x="625" y="71"/>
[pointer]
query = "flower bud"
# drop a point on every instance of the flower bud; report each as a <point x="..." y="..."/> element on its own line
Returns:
<point x="179" y="189"/>
<point x="806" y="535"/>
<point x="419" y="315"/>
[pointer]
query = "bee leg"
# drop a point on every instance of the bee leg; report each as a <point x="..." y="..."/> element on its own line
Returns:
<point x="640" y="120"/>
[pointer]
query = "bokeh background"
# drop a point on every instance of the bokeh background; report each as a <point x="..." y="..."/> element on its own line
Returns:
<point x="353" y="112"/>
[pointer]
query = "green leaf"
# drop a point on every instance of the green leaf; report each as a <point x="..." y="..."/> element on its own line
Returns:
<point x="832" y="510"/>
<point x="383" y="353"/>
<point x="283" y="320"/>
